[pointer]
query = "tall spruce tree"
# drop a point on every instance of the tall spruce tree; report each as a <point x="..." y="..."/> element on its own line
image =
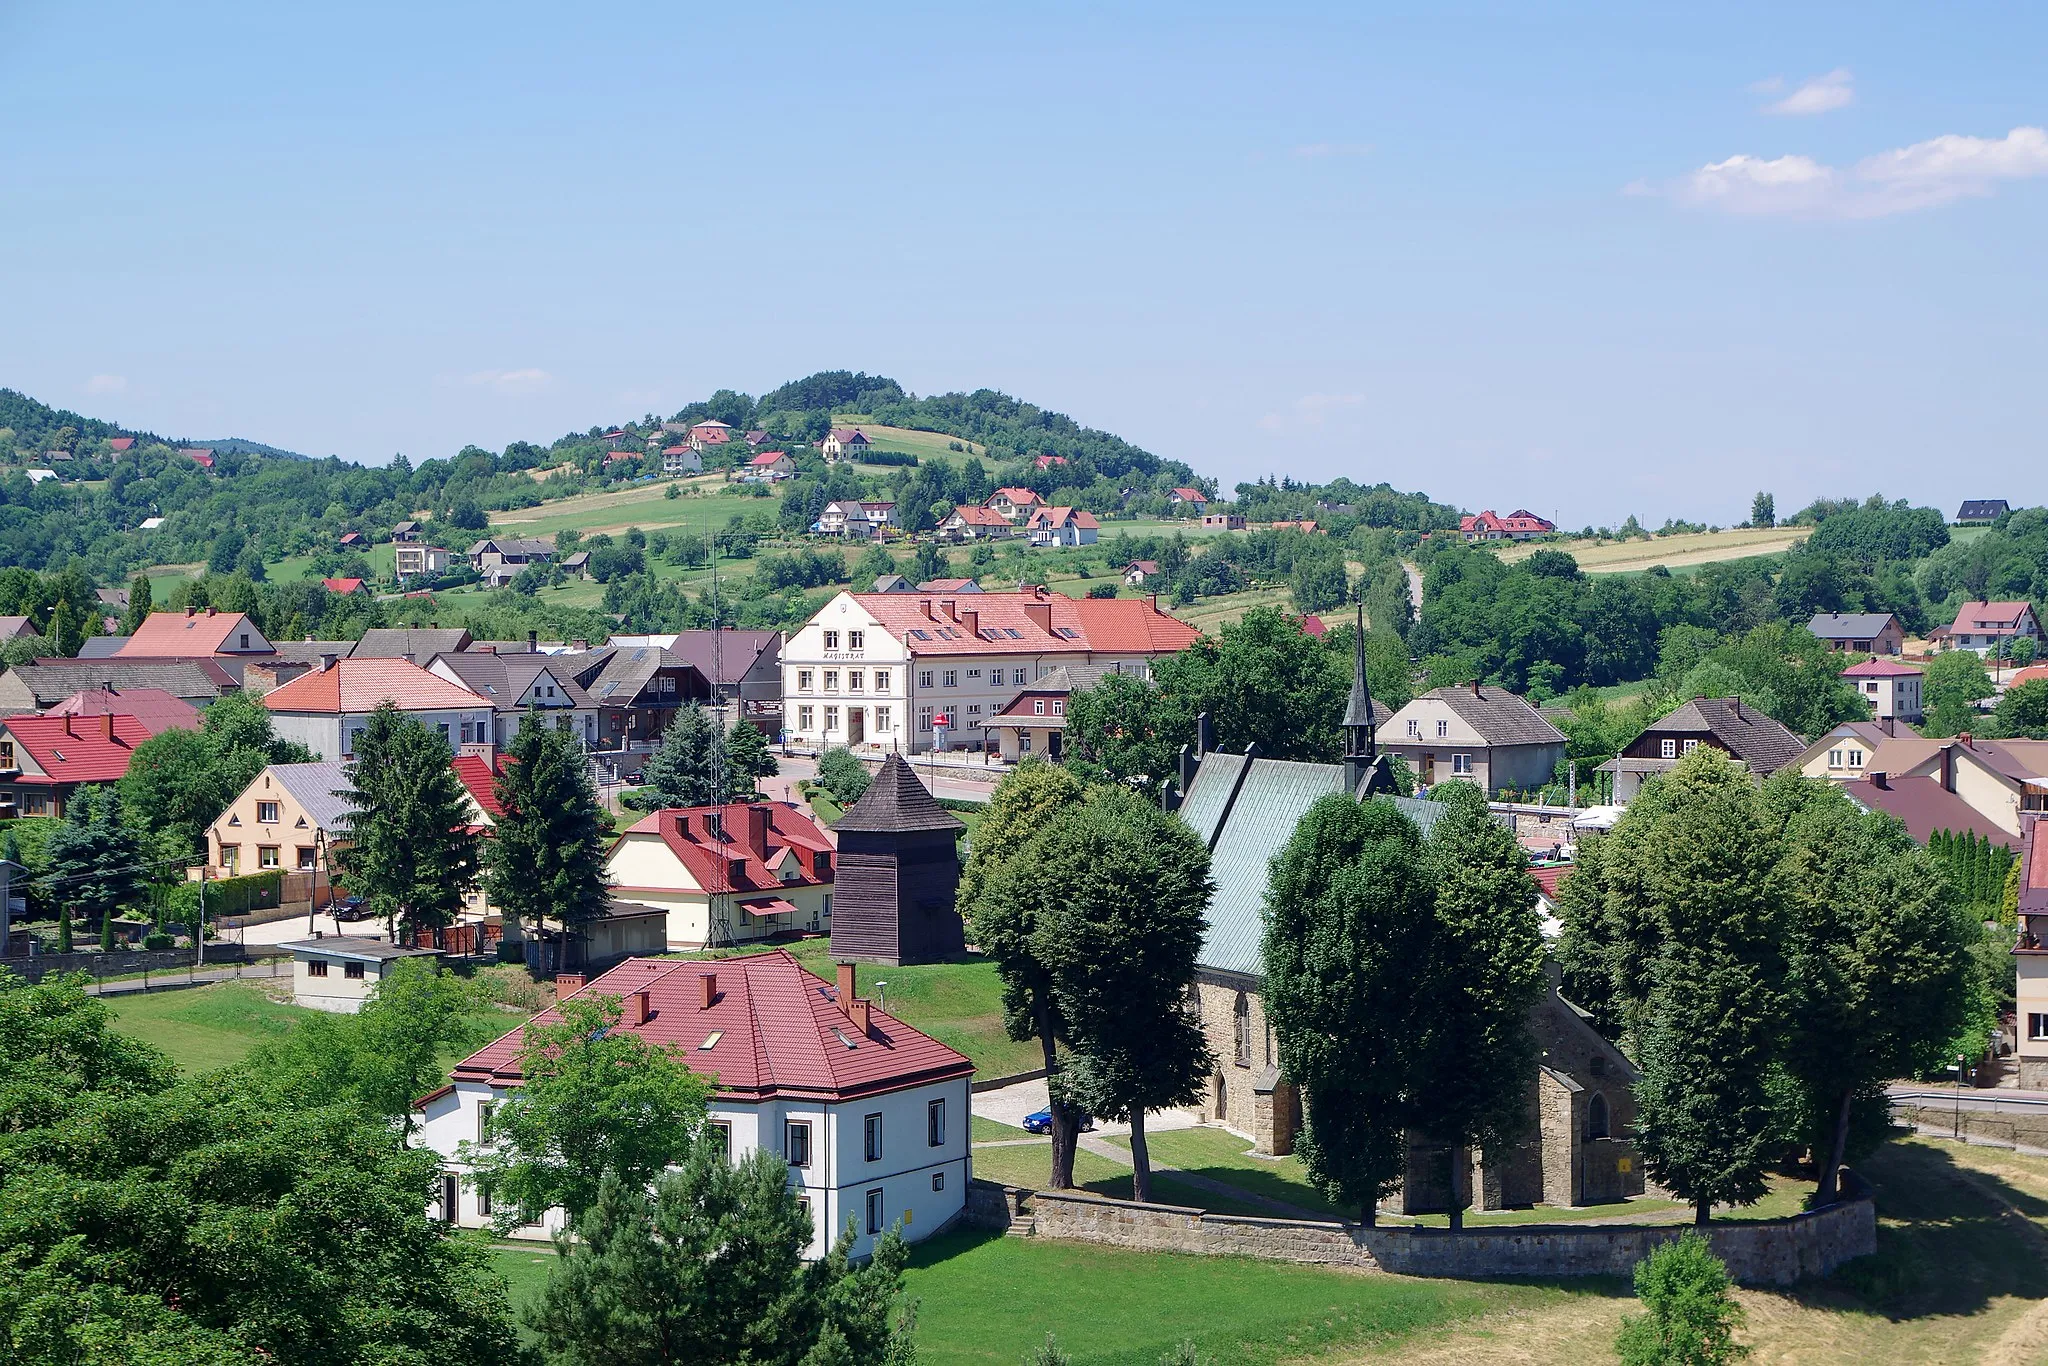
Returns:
<point x="1878" y="950"/>
<point x="546" y="857"/>
<point x="1701" y="865"/>
<point x="92" y="857"/>
<point x="747" y="758"/>
<point x="410" y="856"/>
<point x="1484" y="975"/>
<point x="1349" y="916"/>
<point x="139" y="604"/>
<point x="686" y="770"/>
<point x="1022" y="804"/>
<point x="1118" y="892"/>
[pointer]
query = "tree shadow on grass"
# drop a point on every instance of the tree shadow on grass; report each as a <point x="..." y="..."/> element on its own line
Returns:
<point x="1946" y="1245"/>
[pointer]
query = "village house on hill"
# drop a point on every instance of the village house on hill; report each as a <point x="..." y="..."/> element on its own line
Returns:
<point x="1992" y="627"/>
<point x="901" y="672"/>
<point x="870" y="1115"/>
<point x="1519" y="525"/>
<point x="193" y="634"/>
<point x="1981" y="511"/>
<point x="1762" y="744"/>
<point x="44" y="760"/>
<point x="844" y="443"/>
<point x="1485" y="735"/>
<point x="1892" y="689"/>
<point x="1863" y="633"/>
<point x="499" y="559"/>
<point x="328" y="708"/>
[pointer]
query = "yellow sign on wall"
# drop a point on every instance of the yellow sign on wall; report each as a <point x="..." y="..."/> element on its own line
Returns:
<point x="1624" y="1165"/>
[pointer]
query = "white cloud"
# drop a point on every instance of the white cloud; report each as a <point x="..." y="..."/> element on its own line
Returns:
<point x="1310" y="151"/>
<point x="510" y="381"/>
<point x="1922" y="176"/>
<point x="1309" y="412"/>
<point x="1821" y="95"/>
<point x="106" y="384"/>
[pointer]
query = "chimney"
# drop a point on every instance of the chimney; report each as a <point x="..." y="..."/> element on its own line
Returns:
<point x="757" y="828"/>
<point x="568" y="983"/>
<point x="950" y="608"/>
<point x="190" y="610"/>
<point x="844" y="980"/>
<point x="1887" y="725"/>
<point x="106" y="725"/>
<point x="580" y="645"/>
<point x="1877" y="779"/>
<point x="637" y="1011"/>
<point x="1968" y="741"/>
<point x="971" y="619"/>
<point x="1948" y="768"/>
<point x="1205" y="734"/>
<point x="861" y="1014"/>
<point x="68" y="730"/>
<point x="1040" y="614"/>
<point x="326" y="662"/>
<point x="1152" y="601"/>
<point x="1475" y="687"/>
<point x="533" y="642"/>
<point x="925" y="605"/>
<point x="212" y="611"/>
<point x="1735" y="705"/>
<point x="710" y="981"/>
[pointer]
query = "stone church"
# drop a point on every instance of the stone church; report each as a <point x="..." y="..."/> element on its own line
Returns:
<point x="1581" y="1099"/>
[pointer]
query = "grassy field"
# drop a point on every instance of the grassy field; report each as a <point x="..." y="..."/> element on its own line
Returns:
<point x="205" y="1027"/>
<point x="646" y="506"/>
<point x="923" y="445"/>
<point x="1672" y="552"/>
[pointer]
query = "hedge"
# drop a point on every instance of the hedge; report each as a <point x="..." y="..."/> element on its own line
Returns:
<point x="179" y="901"/>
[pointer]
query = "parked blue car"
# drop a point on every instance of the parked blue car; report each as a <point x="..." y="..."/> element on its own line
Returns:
<point x="1040" y="1122"/>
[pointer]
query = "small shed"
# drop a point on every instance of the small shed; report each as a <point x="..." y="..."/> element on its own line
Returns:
<point x="899" y="875"/>
<point x="338" y="972"/>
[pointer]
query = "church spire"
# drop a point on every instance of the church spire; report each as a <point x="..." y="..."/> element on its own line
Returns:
<point x="1361" y="732"/>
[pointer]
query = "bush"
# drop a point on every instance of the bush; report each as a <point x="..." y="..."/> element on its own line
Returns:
<point x="179" y="902"/>
<point x="158" y="942"/>
<point x="843" y="775"/>
<point x="1102" y="590"/>
<point x="1693" y="1315"/>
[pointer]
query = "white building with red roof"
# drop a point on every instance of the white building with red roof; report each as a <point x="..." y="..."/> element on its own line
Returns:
<point x="726" y="874"/>
<point x="901" y="672"/>
<point x="1990" y="627"/>
<point x="770" y="465"/>
<point x="1014" y="503"/>
<point x="327" y="708"/>
<point x="977" y="524"/>
<point x="1519" y="525"/>
<point x="870" y="1114"/>
<point x="1064" y="526"/>
<point x="1892" y="689"/>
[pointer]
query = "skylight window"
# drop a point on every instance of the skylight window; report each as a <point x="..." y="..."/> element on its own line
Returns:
<point x="921" y="635"/>
<point x="1013" y="633"/>
<point x="711" y="1041"/>
<point x="843" y="1037"/>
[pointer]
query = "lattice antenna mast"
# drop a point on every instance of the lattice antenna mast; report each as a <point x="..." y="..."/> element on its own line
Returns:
<point x="721" y="896"/>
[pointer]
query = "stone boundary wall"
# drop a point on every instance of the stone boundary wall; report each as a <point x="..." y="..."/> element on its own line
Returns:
<point x="1776" y="1252"/>
<point x="2020" y="1129"/>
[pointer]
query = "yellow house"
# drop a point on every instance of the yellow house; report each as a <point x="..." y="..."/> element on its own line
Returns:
<point x="726" y="874"/>
<point x="278" y="822"/>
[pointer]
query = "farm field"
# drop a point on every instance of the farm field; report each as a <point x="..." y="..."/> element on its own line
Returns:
<point x="646" y="506"/>
<point x="1709" y="547"/>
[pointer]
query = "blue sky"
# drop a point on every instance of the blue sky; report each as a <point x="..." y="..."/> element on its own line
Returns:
<point x="1587" y="260"/>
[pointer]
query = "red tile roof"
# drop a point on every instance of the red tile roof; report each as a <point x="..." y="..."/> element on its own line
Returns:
<point x="1520" y="520"/>
<point x="354" y="686"/>
<point x="2033" y="673"/>
<point x="476" y="775"/>
<point x="1046" y="462"/>
<point x="1191" y="495"/>
<point x="974" y="516"/>
<point x="1064" y="516"/>
<point x="1027" y="623"/>
<point x="122" y="443"/>
<point x="77" y="749"/>
<point x="781" y="1031"/>
<point x="342" y="586"/>
<point x="156" y="709"/>
<point x="1314" y="626"/>
<point x="730" y="862"/>
<point x="1996" y="618"/>
<point x="766" y="458"/>
<point x="1547" y="878"/>
<point x="1015" y="495"/>
<point x="174" y="635"/>
<point x="1880" y="668"/>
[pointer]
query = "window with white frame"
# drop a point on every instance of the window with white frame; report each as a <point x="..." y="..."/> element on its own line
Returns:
<point x="856" y="640"/>
<point x="796" y="1143"/>
<point x="2037" y="1026"/>
<point x="881" y="680"/>
<point x="882" y="718"/>
<point x="803" y="680"/>
<point x="831" y="719"/>
<point x="1691" y="745"/>
<point x="1059" y="706"/>
<point x="1667" y="749"/>
<point x="1019" y="677"/>
<point x="1461" y="764"/>
<point x="831" y="680"/>
<point x="1855" y="758"/>
<point x="1414" y="730"/>
<point x="831" y="640"/>
<point x="266" y="813"/>
<point x="974" y="673"/>
<point x="1038" y="706"/>
<point x="950" y="678"/>
<point x="924" y="718"/>
<point x="854" y="679"/>
<point x="1443" y="730"/>
<point x="875" y="1210"/>
<point x="804" y="717"/>
<point x="1834" y="758"/>
<point x="924" y="678"/>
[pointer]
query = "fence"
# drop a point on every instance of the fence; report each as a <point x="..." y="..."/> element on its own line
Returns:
<point x="115" y="973"/>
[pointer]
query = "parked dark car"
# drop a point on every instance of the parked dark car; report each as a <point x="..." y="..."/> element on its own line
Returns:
<point x="351" y="908"/>
<point x="1040" y="1122"/>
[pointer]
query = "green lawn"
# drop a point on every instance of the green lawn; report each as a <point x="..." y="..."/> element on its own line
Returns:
<point x="205" y="1027"/>
<point x="646" y="506"/>
<point x="1222" y="1156"/>
<point x="991" y="1130"/>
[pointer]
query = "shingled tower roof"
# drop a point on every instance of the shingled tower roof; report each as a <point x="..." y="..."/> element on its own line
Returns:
<point x="896" y="800"/>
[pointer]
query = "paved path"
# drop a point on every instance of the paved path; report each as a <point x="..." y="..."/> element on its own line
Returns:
<point x="1009" y="1104"/>
<point x="964" y="782"/>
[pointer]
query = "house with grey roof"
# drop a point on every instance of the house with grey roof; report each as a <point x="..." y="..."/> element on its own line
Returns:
<point x="500" y="558"/>
<point x="1863" y="633"/>
<point x="407" y="642"/>
<point x="288" y="819"/>
<point x="46" y="682"/>
<point x="1730" y="725"/>
<point x="519" y="684"/>
<point x="1477" y="732"/>
<point x="1981" y="511"/>
<point x="636" y="690"/>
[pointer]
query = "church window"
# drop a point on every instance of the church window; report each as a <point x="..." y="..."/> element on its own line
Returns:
<point x="1596" y="1116"/>
<point x="1242" y="1020"/>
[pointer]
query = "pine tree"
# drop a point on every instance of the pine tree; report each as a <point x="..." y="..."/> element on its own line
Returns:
<point x="1118" y="891"/>
<point x="106" y="931"/>
<point x="1485" y="975"/>
<point x="411" y="856"/>
<point x="684" y="771"/>
<point x="747" y="759"/>
<point x="139" y="604"/>
<point x="1349" y="915"/>
<point x="546" y="857"/>
<point x="1703" y="862"/>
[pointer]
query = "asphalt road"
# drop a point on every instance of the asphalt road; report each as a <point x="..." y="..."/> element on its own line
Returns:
<point x="942" y="780"/>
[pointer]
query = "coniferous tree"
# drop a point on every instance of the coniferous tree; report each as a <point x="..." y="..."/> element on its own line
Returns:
<point x="1117" y="892"/>
<point x="1483" y="977"/>
<point x="1878" y="948"/>
<point x="1693" y="1312"/>
<point x="92" y="856"/>
<point x="747" y="758"/>
<point x="546" y="856"/>
<point x="1349" y="915"/>
<point x="1701" y="864"/>
<point x="139" y="604"/>
<point x="685" y="770"/>
<point x="411" y="856"/>
<point x="1022" y="804"/>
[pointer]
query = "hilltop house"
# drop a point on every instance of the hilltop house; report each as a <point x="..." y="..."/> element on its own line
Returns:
<point x="193" y="634"/>
<point x="710" y="432"/>
<point x="327" y="708"/>
<point x="405" y="533"/>
<point x="681" y="460"/>
<point x="726" y="874"/>
<point x="1063" y="526"/>
<point x="977" y="524"/>
<point x="1981" y="511"/>
<point x="1192" y="500"/>
<point x="870" y="1114"/>
<point x="283" y="820"/>
<point x="414" y="560"/>
<point x="844" y="443"/>
<point x="500" y="558"/>
<point x="855" y="519"/>
<point x="1519" y="525"/>
<point x="1892" y="689"/>
<point x="1137" y="571"/>
<point x="1223" y="521"/>
<point x="1015" y="504"/>
<point x="771" y="465"/>
<point x="1485" y="735"/>
<point x="1863" y="633"/>
<point x="1992" y="627"/>
<point x="902" y="672"/>
<point x="1762" y="745"/>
